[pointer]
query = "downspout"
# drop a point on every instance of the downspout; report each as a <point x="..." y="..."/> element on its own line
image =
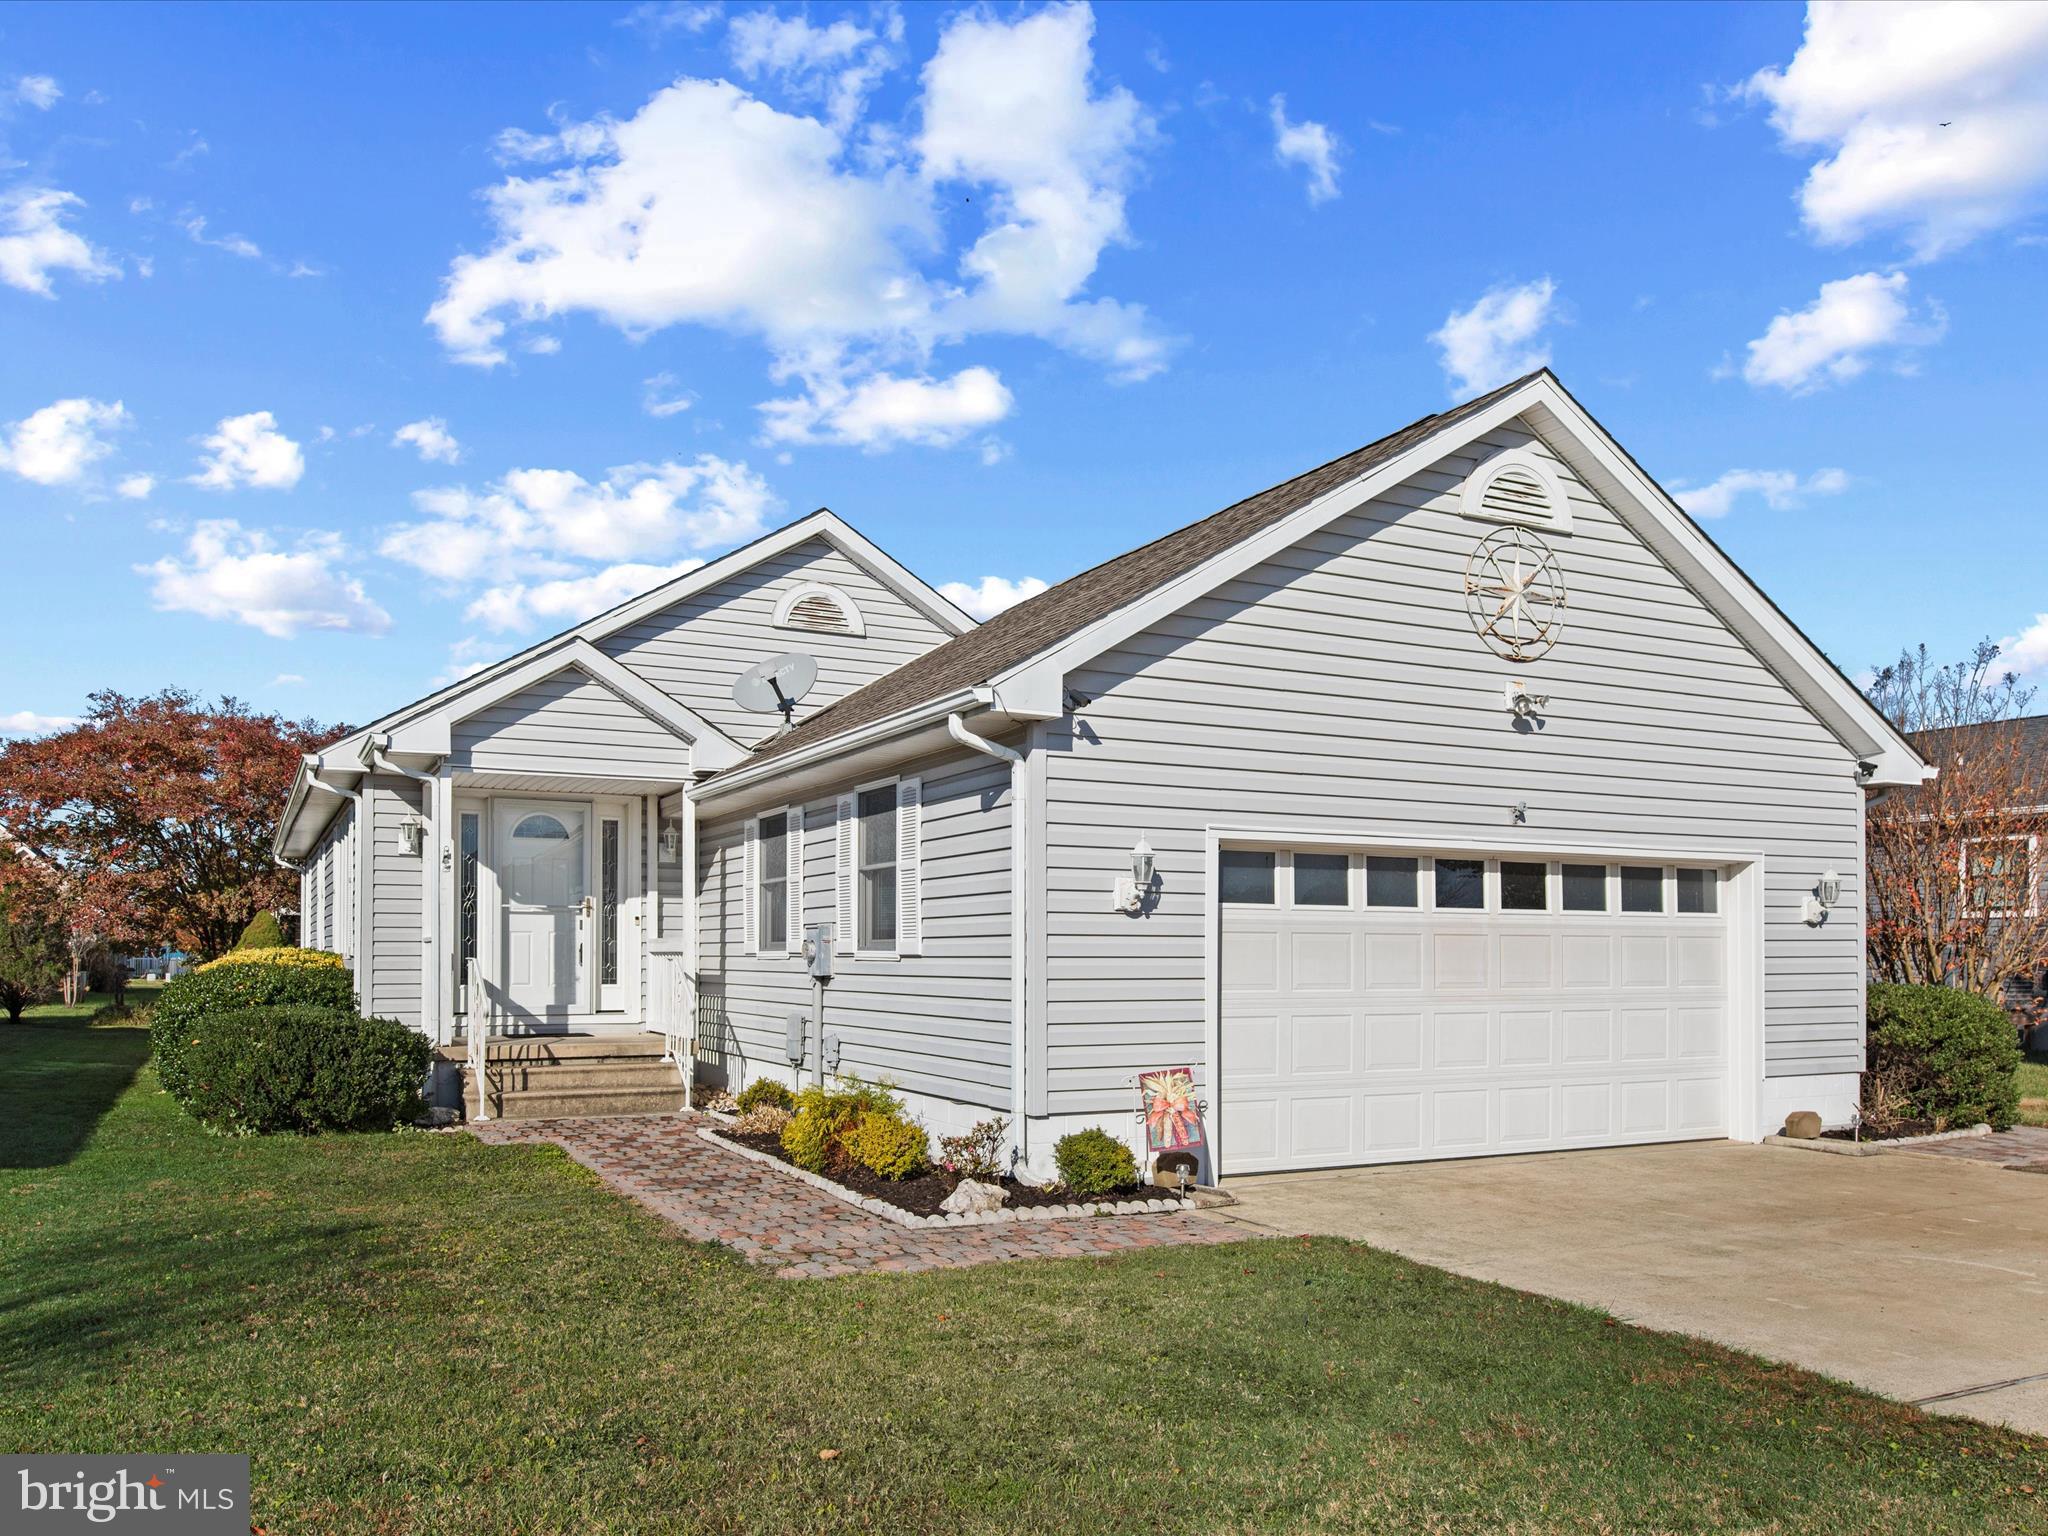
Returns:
<point x="375" y="755"/>
<point x="355" y="799"/>
<point x="1020" y="896"/>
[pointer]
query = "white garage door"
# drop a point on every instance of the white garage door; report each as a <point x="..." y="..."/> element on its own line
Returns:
<point x="1389" y="1008"/>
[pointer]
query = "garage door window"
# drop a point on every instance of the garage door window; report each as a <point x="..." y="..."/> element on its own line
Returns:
<point x="1642" y="888"/>
<point x="1322" y="880"/>
<point x="1697" y="891"/>
<point x="1585" y="888"/>
<point x="1247" y="878"/>
<point x="1524" y="887"/>
<point x="1391" y="882"/>
<point x="1460" y="885"/>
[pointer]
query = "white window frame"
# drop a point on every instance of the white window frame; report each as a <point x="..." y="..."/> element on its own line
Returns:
<point x="754" y="877"/>
<point x="860" y="866"/>
<point x="2033" y="906"/>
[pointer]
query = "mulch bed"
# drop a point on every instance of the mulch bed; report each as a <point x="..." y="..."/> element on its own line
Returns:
<point x="925" y="1195"/>
<point x="1898" y="1132"/>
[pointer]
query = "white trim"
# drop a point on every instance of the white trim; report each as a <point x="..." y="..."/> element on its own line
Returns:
<point x="845" y="874"/>
<point x="849" y="610"/>
<point x="910" y="865"/>
<point x="1472" y="499"/>
<point x="750" y="900"/>
<point x="894" y="949"/>
<point x="793" y="921"/>
<point x="1741" y="907"/>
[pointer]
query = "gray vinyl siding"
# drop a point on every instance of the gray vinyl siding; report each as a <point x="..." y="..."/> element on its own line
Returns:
<point x="936" y="1023"/>
<point x="569" y="723"/>
<point x="396" y="925"/>
<point x="696" y="649"/>
<point x="1340" y="685"/>
<point x="324" y="916"/>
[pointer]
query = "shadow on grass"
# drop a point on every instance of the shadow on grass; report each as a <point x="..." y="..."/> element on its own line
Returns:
<point x="57" y="1083"/>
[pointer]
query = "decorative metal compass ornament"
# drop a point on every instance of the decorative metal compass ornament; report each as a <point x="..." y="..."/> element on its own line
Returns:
<point x="1515" y="594"/>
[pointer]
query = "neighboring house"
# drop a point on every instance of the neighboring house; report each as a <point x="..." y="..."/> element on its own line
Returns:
<point x="1459" y="796"/>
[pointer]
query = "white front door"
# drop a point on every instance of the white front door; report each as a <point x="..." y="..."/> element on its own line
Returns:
<point x="542" y="856"/>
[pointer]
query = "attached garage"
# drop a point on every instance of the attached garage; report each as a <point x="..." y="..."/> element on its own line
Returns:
<point x="1390" y="1005"/>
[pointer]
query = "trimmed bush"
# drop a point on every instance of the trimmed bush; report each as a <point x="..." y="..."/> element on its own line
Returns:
<point x="890" y="1146"/>
<point x="814" y="1136"/>
<point x="1093" y="1162"/>
<point x="264" y="932"/>
<point x="298" y="1069"/>
<point x="765" y="1090"/>
<point x="1940" y="1054"/>
<point x="253" y="978"/>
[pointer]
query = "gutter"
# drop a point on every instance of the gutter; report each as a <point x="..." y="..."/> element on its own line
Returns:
<point x="930" y="712"/>
<point x="1020" y="896"/>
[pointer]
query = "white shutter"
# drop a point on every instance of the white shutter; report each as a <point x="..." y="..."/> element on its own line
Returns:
<point x="844" y="938"/>
<point x="749" y="861"/>
<point x="909" y="859"/>
<point x="795" y="845"/>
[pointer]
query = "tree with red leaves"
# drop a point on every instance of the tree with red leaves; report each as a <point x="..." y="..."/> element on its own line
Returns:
<point x="150" y="821"/>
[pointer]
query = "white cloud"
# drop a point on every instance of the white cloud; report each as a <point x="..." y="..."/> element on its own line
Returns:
<point x="992" y="596"/>
<point x="34" y="242"/>
<point x="884" y="410"/>
<point x="662" y="399"/>
<point x="1931" y="119"/>
<point x="59" y="443"/>
<point x="1496" y="339"/>
<point x="837" y="64"/>
<point x="135" y="487"/>
<point x="709" y="206"/>
<point x="2028" y="650"/>
<point x="655" y="19"/>
<point x="288" y="680"/>
<point x="538" y="522"/>
<point x="431" y="438"/>
<point x="236" y="573"/>
<point x="517" y="605"/>
<point x="194" y="225"/>
<point x="250" y="451"/>
<point x="1832" y="340"/>
<point x="1312" y="146"/>
<point x="1780" y="489"/>
<point x="38" y="91"/>
<point x="26" y="722"/>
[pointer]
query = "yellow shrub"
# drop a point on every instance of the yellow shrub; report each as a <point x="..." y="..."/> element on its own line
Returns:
<point x="307" y="959"/>
<point x="889" y="1146"/>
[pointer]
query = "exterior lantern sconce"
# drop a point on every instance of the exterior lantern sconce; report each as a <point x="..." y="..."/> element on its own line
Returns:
<point x="1132" y="889"/>
<point x="1827" y="893"/>
<point x="412" y="835"/>
<point x="671" y="841"/>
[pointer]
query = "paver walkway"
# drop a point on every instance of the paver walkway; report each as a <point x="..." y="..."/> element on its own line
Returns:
<point x="2024" y="1147"/>
<point x="800" y="1232"/>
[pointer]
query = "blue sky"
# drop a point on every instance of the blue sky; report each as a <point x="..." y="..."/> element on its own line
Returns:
<point x="343" y="348"/>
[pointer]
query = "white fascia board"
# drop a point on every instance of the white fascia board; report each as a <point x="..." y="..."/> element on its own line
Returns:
<point x="1661" y="523"/>
<point x="823" y="524"/>
<point x="1563" y="422"/>
<point x="829" y="753"/>
<point x="430" y="735"/>
<point x="311" y="797"/>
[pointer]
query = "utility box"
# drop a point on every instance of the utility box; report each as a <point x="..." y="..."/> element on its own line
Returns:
<point x="796" y="1029"/>
<point x="818" y="951"/>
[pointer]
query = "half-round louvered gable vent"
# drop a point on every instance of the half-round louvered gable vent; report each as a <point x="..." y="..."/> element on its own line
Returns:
<point x="821" y="609"/>
<point x="1516" y="486"/>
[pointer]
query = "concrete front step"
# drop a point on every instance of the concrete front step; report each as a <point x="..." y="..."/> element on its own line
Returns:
<point x="597" y="1072"/>
<point x="637" y="1046"/>
<point x="563" y="1103"/>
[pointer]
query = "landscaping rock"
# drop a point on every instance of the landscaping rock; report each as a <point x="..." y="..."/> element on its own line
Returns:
<point x="972" y="1198"/>
<point x="1802" y="1125"/>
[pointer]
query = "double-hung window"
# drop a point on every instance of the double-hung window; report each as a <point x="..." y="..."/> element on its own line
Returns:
<point x="771" y="904"/>
<point x="875" y="840"/>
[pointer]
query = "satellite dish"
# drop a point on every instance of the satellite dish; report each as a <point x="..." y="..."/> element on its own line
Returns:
<point x="777" y="683"/>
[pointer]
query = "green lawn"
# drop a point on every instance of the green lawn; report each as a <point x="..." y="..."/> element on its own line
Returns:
<point x="419" y="1333"/>
<point x="2034" y="1086"/>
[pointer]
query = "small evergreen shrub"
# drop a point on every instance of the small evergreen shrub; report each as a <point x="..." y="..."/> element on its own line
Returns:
<point x="765" y="1090"/>
<point x="815" y="1136"/>
<point x="888" y="1145"/>
<point x="253" y="978"/>
<point x="1939" y="1054"/>
<point x="264" y="932"/>
<point x="299" y="1069"/>
<point x="976" y="1154"/>
<point x="1093" y="1162"/>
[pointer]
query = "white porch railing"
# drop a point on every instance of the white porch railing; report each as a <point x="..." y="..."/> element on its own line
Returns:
<point x="673" y="1009"/>
<point x="479" y="1026"/>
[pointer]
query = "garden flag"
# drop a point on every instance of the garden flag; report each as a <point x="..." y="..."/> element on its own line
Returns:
<point x="1173" y="1120"/>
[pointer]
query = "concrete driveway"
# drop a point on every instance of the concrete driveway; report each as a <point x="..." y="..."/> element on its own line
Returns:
<point x="1921" y="1278"/>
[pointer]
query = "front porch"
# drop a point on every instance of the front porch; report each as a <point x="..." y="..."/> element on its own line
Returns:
<point x="614" y="1071"/>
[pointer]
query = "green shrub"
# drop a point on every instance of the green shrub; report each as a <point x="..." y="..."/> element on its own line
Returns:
<point x="978" y="1153"/>
<point x="764" y="1090"/>
<point x="255" y="979"/>
<point x="889" y="1145"/>
<point x="302" y="1069"/>
<point x="1093" y="1162"/>
<point x="264" y="932"/>
<point x="815" y="1135"/>
<point x="1940" y="1054"/>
